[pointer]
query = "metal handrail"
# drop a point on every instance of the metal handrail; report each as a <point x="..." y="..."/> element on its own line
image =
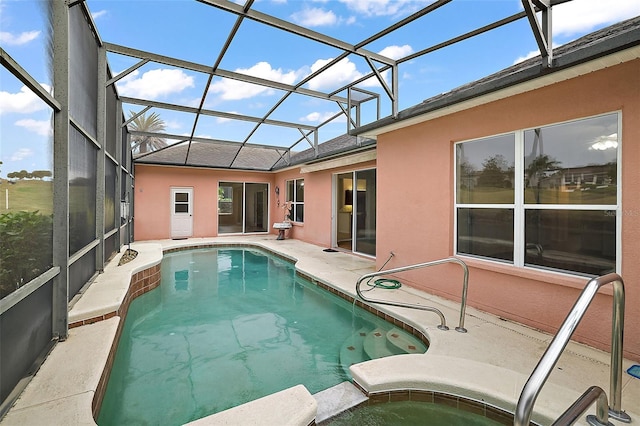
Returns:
<point x="549" y="359"/>
<point x="443" y="321"/>
<point x="591" y="395"/>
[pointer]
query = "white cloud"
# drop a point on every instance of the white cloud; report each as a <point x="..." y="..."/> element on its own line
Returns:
<point x="396" y="52"/>
<point x="21" y="154"/>
<point x="172" y="124"/>
<point x="17" y="40"/>
<point x="230" y="89"/>
<point x="155" y="83"/>
<point x="393" y="52"/>
<point x="23" y="102"/>
<point x="581" y="16"/>
<point x="345" y="71"/>
<point x="41" y="127"/>
<point x="99" y="14"/>
<point x="337" y="75"/>
<point x="384" y="7"/>
<point x="318" y="117"/>
<point x="530" y="55"/>
<point x="314" y="17"/>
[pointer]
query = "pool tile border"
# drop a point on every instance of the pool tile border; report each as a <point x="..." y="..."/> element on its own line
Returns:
<point x="141" y="282"/>
<point x="480" y="408"/>
<point x="385" y="316"/>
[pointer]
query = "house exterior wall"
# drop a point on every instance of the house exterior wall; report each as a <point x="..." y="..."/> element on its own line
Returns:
<point x="316" y="228"/>
<point x="416" y="197"/>
<point x="152" y="214"/>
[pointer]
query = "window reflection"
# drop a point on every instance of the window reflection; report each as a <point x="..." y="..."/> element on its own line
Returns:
<point x="485" y="171"/>
<point x="486" y="232"/>
<point x="563" y="165"/>
<point x="295" y="198"/>
<point x="572" y="163"/>
<point x="575" y="240"/>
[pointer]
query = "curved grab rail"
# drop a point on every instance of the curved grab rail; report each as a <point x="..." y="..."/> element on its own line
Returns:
<point x="549" y="359"/>
<point x="443" y="321"/>
<point x="591" y="395"/>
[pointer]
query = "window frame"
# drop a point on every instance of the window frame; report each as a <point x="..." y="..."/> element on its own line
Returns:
<point x="291" y="197"/>
<point x="520" y="207"/>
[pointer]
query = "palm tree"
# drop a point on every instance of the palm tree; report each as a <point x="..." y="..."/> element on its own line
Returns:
<point x="141" y="144"/>
<point x="536" y="172"/>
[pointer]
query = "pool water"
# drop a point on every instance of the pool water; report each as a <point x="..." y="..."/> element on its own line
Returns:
<point x="227" y="326"/>
<point x="410" y="413"/>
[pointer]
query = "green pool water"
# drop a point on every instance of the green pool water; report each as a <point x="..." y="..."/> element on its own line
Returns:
<point x="410" y="413"/>
<point x="227" y="326"/>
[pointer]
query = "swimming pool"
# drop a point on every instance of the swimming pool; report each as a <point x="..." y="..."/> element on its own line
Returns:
<point x="227" y="326"/>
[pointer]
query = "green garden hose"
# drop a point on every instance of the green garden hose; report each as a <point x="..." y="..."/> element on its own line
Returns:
<point x="385" y="283"/>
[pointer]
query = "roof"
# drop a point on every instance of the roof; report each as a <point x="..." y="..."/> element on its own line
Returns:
<point x="614" y="44"/>
<point x="210" y="155"/>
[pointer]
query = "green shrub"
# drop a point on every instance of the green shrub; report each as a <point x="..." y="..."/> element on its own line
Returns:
<point x="26" y="248"/>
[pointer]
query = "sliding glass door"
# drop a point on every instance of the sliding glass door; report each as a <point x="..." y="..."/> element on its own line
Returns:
<point x="242" y="207"/>
<point x="355" y="211"/>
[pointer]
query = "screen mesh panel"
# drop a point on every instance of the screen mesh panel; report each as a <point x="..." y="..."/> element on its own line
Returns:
<point x="81" y="271"/>
<point x="82" y="191"/>
<point x="112" y="125"/>
<point x="26" y="332"/>
<point x="110" y="205"/>
<point x="83" y="72"/>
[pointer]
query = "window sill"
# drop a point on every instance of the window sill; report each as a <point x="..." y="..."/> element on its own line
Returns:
<point x="564" y="279"/>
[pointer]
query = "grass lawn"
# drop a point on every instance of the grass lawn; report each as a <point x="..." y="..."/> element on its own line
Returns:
<point x="26" y="195"/>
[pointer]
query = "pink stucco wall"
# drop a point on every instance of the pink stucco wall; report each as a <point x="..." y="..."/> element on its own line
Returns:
<point x="317" y="203"/>
<point x="152" y="218"/>
<point x="415" y="204"/>
<point x="153" y="185"/>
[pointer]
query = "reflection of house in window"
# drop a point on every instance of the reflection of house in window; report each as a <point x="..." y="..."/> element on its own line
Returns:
<point x="582" y="178"/>
<point x="577" y="178"/>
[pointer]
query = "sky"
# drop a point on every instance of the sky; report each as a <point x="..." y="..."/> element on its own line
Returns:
<point x="196" y="32"/>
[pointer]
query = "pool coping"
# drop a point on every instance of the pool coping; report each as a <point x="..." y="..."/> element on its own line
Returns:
<point x="51" y="391"/>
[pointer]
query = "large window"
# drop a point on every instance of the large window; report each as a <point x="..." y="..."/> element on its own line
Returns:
<point x="544" y="197"/>
<point x="295" y="198"/>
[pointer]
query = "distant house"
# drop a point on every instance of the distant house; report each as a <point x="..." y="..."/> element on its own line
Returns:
<point x="398" y="185"/>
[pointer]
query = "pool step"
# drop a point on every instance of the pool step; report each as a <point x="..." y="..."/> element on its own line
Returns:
<point x="366" y="344"/>
<point x="406" y="342"/>
<point x="376" y="345"/>
<point x="352" y="351"/>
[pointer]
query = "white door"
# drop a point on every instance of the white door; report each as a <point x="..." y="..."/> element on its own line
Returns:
<point x="181" y="212"/>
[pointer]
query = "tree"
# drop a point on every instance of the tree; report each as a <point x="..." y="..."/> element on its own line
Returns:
<point x="41" y="174"/>
<point x="536" y="172"/>
<point x="495" y="172"/>
<point x="141" y="144"/>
